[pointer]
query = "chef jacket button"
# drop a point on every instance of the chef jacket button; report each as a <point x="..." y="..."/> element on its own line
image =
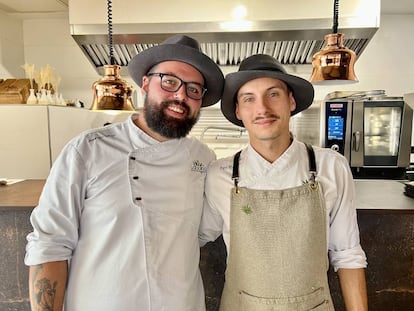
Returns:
<point x="132" y="158"/>
<point x="135" y="177"/>
<point x="138" y="198"/>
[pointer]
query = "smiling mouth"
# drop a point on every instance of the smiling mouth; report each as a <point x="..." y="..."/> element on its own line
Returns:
<point x="176" y="109"/>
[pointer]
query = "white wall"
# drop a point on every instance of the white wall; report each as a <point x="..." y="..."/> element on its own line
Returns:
<point x="48" y="41"/>
<point x="126" y="11"/>
<point x="11" y="46"/>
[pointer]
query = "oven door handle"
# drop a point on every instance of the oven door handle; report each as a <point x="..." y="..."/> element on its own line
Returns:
<point x="356" y="140"/>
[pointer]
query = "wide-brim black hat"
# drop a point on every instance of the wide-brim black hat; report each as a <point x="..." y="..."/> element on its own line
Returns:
<point x="262" y="66"/>
<point x="184" y="49"/>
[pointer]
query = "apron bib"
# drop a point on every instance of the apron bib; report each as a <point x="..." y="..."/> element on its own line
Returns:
<point x="277" y="258"/>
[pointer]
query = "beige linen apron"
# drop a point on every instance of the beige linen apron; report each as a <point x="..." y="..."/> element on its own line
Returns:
<point x="278" y="252"/>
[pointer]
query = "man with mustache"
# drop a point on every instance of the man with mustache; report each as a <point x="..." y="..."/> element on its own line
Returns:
<point x="280" y="204"/>
<point x="117" y="223"/>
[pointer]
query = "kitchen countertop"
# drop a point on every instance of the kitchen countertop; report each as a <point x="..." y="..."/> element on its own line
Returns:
<point x="371" y="194"/>
<point x="381" y="194"/>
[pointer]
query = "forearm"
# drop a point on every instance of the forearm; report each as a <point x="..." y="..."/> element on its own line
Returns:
<point x="47" y="285"/>
<point x="354" y="290"/>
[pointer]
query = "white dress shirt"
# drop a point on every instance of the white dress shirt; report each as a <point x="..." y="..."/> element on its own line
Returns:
<point x="290" y="170"/>
<point x="125" y="210"/>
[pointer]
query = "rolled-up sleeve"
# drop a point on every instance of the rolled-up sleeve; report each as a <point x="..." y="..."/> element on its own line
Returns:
<point x="55" y="220"/>
<point x="352" y="258"/>
<point x="344" y="246"/>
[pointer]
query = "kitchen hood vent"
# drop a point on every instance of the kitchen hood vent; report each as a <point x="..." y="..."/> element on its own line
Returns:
<point x="295" y="31"/>
<point x="226" y="49"/>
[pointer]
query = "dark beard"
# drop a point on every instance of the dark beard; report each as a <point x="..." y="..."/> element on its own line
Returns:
<point x="164" y="125"/>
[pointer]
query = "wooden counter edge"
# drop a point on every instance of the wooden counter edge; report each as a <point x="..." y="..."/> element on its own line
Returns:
<point x="21" y="195"/>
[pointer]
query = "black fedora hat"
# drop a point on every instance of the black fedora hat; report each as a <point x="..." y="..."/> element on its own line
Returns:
<point x="184" y="49"/>
<point x="261" y="66"/>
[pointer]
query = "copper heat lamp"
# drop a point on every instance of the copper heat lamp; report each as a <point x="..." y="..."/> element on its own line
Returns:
<point x="111" y="92"/>
<point x="334" y="64"/>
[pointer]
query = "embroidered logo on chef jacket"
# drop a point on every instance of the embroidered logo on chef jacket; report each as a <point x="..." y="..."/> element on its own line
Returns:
<point x="198" y="167"/>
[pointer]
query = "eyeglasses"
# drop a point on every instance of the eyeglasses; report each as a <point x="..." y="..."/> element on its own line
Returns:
<point x="172" y="83"/>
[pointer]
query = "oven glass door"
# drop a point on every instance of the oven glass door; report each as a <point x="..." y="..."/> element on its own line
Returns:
<point x="382" y="131"/>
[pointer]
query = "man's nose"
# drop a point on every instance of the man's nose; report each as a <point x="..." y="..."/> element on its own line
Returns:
<point x="181" y="93"/>
<point x="262" y="104"/>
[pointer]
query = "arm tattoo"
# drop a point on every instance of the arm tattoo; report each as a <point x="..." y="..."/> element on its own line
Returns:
<point x="44" y="292"/>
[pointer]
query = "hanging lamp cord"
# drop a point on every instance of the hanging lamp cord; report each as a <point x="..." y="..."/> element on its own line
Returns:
<point x="110" y="43"/>
<point x="335" y="16"/>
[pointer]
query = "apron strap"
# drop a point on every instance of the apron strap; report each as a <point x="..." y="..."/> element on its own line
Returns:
<point x="311" y="156"/>
<point x="235" y="175"/>
<point x="312" y="161"/>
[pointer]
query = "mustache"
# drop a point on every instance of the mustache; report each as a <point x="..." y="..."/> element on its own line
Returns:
<point x="266" y="116"/>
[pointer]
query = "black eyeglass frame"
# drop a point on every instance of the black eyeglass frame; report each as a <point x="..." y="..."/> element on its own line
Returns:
<point x="182" y="82"/>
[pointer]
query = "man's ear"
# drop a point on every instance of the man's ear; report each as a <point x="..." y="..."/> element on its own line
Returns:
<point x="144" y="87"/>
<point x="237" y="112"/>
<point x="292" y="101"/>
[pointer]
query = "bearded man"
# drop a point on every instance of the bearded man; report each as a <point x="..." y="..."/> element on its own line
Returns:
<point x="117" y="223"/>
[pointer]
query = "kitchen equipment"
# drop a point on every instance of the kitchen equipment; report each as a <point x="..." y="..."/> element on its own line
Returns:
<point x="409" y="99"/>
<point x="373" y="133"/>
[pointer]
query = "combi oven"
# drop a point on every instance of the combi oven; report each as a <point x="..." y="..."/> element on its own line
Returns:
<point x="373" y="134"/>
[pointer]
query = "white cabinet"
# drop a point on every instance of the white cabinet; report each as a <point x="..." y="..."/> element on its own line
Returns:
<point x="32" y="136"/>
<point x="24" y="141"/>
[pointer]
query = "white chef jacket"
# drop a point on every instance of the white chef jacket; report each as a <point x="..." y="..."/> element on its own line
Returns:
<point x="125" y="210"/>
<point x="290" y="170"/>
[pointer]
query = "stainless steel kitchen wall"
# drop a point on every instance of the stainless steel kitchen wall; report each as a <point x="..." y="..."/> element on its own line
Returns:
<point x="226" y="139"/>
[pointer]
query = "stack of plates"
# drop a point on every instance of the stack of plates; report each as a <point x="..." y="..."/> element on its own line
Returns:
<point x="409" y="189"/>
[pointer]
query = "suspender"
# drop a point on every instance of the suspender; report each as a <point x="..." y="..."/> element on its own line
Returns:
<point x="312" y="166"/>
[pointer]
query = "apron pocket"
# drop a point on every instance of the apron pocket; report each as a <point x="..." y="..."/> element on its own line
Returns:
<point x="314" y="301"/>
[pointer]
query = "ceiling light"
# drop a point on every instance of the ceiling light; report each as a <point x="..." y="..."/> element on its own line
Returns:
<point x="239" y="12"/>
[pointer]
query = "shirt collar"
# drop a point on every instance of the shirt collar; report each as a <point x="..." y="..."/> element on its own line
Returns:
<point x="256" y="163"/>
<point x="138" y="137"/>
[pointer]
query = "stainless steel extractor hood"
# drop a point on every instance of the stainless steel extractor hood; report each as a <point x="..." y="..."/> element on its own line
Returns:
<point x="292" y="38"/>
